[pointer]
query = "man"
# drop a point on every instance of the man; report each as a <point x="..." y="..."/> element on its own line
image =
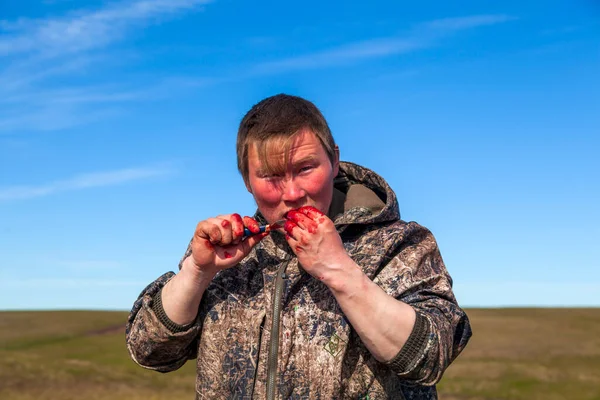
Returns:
<point x="343" y="300"/>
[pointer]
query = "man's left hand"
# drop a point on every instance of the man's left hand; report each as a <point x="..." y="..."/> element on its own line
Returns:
<point x="315" y="241"/>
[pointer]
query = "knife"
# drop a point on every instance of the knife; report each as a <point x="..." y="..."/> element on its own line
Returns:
<point x="265" y="228"/>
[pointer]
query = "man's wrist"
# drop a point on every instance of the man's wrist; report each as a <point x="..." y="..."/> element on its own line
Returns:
<point x="346" y="279"/>
<point x="181" y="296"/>
<point x="197" y="276"/>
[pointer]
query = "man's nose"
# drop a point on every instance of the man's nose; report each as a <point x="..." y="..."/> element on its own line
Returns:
<point x="292" y="191"/>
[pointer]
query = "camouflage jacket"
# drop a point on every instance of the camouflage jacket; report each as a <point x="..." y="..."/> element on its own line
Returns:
<point x="267" y="329"/>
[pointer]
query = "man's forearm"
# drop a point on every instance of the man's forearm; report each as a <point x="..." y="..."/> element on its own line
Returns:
<point x="382" y="322"/>
<point x="181" y="296"/>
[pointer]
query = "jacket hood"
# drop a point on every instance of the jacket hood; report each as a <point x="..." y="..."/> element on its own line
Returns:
<point x="367" y="197"/>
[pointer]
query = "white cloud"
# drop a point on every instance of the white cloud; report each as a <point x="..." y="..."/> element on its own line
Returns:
<point x="469" y="22"/>
<point x="86" y="30"/>
<point x="44" y="62"/>
<point x="344" y="54"/>
<point x="79" y="95"/>
<point x="425" y="35"/>
<point x="51" y="117"/>
<point x="41" y="89"/>
<point x="83" y="181"/>
<point x="21" y="74"/>
<point x="61" y="108"/>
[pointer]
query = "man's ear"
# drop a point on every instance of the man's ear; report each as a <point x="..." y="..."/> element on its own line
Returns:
<point x="248" y="187"/>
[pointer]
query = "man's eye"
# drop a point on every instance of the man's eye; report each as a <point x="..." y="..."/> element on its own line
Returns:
<point x="306" y="168"/>
<point x="270" y="176"/>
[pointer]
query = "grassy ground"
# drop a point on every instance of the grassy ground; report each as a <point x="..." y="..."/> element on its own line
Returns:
<point x="550" y="354"/>
<point x="514" y="354"/>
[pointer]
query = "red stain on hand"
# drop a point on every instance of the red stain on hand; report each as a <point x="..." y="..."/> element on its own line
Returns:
<point x="238" y="224"/>
<point x="293" y="215"/>
<point x="208" y="244"/>
<point x="311" y="212"/>
<point x="289" y="227"/>
<point x="251" y="224"/>
<point x="262" y="235"/>
<point x="303" y="220"/>
<point x="225" y="223"/>
<point x="227" y="255"/>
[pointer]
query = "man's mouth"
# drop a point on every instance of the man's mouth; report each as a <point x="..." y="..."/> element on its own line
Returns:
<point x="285" y="214"/>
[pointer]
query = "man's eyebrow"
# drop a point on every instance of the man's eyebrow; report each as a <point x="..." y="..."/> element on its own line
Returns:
<point x="269" y="169"/>
<point x="309" y="158"/>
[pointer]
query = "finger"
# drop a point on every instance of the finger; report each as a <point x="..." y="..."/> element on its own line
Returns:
<point x="202" y="230"/>
<point x="303" y="221"/>
<point x="295" y="245"/>
<point x="210" y="229"/>
<point x="251" y="224"/>
<point x="215" y="231"/>
<point x="199" y="232"/>
<point x="202" y="249"/>
<point x="289" y="227"/>
<point x="237" y="227"/>
<point x="313" y="213"/>
<point x="235" y="253"/>
<point x="226" y="231"/>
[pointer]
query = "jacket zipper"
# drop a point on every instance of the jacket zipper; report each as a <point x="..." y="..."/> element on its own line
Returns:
<point x="274" y="343"/>
<point x="260" y="335"/>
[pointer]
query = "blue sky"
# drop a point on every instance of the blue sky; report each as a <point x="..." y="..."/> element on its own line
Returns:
<point x="118" y="124"/>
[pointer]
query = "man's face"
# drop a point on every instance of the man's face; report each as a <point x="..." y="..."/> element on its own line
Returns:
<point x="306" y="180"/>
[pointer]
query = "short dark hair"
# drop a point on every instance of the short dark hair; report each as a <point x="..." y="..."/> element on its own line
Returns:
<point x="281" y="116"/>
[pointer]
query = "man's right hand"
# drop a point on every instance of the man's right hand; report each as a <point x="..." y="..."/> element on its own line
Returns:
<point x="218" y="244"/>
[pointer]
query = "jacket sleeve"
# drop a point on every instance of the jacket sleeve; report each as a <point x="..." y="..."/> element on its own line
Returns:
<point x="153" y="341"/>
<point x="416" y="275"/>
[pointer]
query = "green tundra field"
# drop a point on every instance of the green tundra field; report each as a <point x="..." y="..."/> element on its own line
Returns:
<point x="547" y="354"/>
